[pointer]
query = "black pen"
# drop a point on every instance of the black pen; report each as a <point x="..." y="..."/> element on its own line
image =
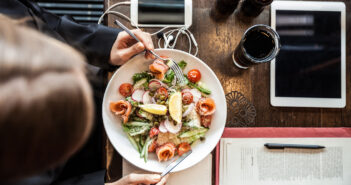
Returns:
<point x="282" y="146"/>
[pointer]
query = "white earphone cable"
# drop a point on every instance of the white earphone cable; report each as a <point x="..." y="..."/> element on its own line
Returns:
<point x="167" y="35"/>
<point x="108" y="11"/>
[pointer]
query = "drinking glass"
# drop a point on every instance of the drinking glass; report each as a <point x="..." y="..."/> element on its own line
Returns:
<point x="259" y="44"/>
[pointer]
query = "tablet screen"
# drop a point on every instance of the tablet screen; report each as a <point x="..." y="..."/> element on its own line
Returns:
<point x="309" y="62"/>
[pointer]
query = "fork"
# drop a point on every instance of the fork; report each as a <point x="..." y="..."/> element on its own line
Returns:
<point x="173" y="65"/>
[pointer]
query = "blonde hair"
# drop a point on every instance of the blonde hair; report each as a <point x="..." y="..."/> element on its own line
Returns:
<point x="46" y="103"/>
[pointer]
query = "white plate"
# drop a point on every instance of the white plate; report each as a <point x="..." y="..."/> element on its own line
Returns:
<point x="113" y="124"/>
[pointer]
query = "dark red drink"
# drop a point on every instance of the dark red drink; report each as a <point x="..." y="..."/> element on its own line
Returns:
<point x="259" y="44"/>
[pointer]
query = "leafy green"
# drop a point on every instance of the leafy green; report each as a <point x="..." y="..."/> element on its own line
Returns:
<point x="138" y="76"/>
<point x="142" y="140"/>
<point x="191" y="136"/>
<point x="146" y="85"/>
<point x="145" y="114"/>
<point x="137" y="141"/>
<point x="193" y="123"/>
<point x="201" y="89"/>
<point x="169" y="76"/>
<point x="138" y="119"/>
<point x="144" y="152"/>
<point x="135" y="130"/>
<point x="182" y="64"/>
<point x="133" y="142"/>
<point x="143" y="149"/>
<point x="142" y="82"/>
<point x="137" y="124"/>
<point x="186" y="80"/>
<point x="193" y="132"/>
<point x="195" y="137"/>
<point x="196" y="86"/>
<point x="131" y="101"/>
<point x="133" y="110"/>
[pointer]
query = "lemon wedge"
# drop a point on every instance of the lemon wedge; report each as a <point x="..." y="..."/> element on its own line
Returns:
<point x="175" y="107"/>
<point x="154" y="109"/>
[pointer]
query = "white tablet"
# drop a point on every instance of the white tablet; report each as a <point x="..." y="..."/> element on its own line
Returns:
<point x="310" y="68"/>
<point x="161" y="13"/>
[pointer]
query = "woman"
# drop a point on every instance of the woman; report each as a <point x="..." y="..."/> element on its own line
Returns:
<point x="46" y="108"/>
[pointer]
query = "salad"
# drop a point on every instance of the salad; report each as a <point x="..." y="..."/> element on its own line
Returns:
<point x="158" y="115"/>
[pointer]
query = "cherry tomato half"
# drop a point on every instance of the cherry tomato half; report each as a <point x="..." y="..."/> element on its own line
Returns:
<point x="152" y="147"/>
<point x="187" y="97"/>
<point x="162" y="91"/>
<point x="153" y="132"/>
<point x="126" y="89"/>
<point x="183" y="148"/>
<point x="194" y="75"/>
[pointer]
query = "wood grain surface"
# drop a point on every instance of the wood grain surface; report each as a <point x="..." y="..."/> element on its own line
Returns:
<point x="218" y="39"/>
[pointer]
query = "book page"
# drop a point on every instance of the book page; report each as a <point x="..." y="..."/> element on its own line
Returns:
<point x="246" y="161"/>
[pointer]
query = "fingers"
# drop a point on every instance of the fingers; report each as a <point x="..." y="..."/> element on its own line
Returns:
<point x="145" y="38"/>
<point x="134" y="178"/>
<point x="148" y="55"/>
<point x="125" y="46"/>
<point x="163" y="180"/>
<point x="127" y="53"/>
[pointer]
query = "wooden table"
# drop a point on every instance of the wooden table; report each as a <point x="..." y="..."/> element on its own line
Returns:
<point x="217" y="40"/>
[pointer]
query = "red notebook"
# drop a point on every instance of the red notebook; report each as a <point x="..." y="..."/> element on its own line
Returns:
<point x="286" y="132"/>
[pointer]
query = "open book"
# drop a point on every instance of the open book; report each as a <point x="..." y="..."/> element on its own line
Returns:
<point x="246" y="161"/>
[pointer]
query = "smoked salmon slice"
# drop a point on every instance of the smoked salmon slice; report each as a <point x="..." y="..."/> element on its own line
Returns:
<point x="165" y="152"/>
<point x="159" y="68"/>
<point x="121" y="108"/>
<point x="206" y="120"/>
<point x="205" y="106"/>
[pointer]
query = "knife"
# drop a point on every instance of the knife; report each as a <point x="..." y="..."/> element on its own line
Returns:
<point x="175" y="163"/>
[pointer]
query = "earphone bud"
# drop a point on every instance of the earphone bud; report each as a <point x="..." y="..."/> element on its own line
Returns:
<point x="168" y="40"/>
<point x="160" y="35"/>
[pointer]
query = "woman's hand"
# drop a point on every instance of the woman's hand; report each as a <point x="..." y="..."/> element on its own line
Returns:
<point x="136" y="179"/>
<point x="126" y="46"/>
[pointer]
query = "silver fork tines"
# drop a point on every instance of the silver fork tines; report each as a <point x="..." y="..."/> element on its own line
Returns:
<point x="178" y="72"/>
<point x="174" y="66"/>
